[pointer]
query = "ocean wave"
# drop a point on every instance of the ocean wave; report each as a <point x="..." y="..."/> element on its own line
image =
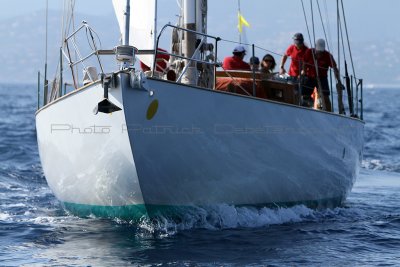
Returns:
<point x="4" y="216"/>
<point x="224" y="216"/>
<point x="13" y="205"/>
<point x="381" y="165"/>
<point x="373" y="164"/>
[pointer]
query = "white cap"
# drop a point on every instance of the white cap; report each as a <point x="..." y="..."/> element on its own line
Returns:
<point x="320" y="45"/>
<point x="239" y="49"/>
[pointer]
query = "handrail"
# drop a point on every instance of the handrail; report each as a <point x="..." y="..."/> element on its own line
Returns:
<point x="186" y="30"/>
<point x="109" y="52"/>
<point x="84" y="25"/>
<point x="67" y="54"/>
<point x="190" y="59"/>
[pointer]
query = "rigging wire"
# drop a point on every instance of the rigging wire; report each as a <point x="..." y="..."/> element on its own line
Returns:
<point x="63" y="33"/>
<point x="248" y="44"/>
<point x="342" y="41"/>
<point x="338" y="31"/>
<point x="47" y="28"/>
<point x="269" y="51"/>
<point x="179" y="3"/>
<point x="46" y="86"/>
<point x="323" y="26"/>
<point x="66" y="22"/>
<point x="312" y="20"/>
<point x="72" y="22"/>
<point x="348" y="40"/>
<point x="325" y="34"/>
<point x="329" y="34"/>
<point x="306" y="21"/>
<point x="62" y="22"/>
<point x="320" y="93"/>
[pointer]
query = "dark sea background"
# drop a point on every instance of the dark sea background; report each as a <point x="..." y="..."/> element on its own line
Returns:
<point x="36" y="231"/>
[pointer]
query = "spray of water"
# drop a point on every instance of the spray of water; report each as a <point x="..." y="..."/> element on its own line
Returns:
<point x="225" y="217"/>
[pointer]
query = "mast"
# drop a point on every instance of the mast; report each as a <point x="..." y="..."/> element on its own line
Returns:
<point x="189" y="41"/>
<point x="125" y="53"/>
<point x="127" y="16"/>
<point x="201" y="9"/>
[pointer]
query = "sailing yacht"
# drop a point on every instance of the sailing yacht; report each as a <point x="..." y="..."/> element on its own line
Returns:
<point x="134" y="143"/>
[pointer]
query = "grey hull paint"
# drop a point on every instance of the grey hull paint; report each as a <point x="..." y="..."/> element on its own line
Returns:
<point x="204" y="147"/>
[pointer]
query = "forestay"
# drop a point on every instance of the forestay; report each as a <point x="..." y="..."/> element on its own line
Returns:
<point x="142" y="25"/>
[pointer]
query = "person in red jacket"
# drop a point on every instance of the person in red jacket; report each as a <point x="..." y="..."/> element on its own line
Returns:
<point x="236" y="62"/>
<point x="296" y="52"/>
<point x="324" y="60"/>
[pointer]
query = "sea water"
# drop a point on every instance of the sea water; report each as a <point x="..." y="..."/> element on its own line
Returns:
<point x="36" y="231"/>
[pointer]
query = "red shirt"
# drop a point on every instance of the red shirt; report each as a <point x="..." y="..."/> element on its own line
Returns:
<point x="235" y="63"/>
<point x="161" y="64"/>
<point x="324" y="61"/>
<point x="297" y="56"/>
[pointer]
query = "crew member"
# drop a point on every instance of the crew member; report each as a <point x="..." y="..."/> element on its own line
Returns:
<point x="296" y="52"/>
<point x="236" y="62"/>
<point x="324" y="61"/>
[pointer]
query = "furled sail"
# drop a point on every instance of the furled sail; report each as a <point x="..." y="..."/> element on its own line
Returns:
<point x="142" y="25"/>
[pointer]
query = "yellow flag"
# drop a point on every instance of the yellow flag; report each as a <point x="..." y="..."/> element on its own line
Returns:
<point x="242" y="21"/>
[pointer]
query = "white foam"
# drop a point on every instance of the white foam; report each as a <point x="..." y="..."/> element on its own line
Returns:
<point x="4" y="217"/>
<point x="227" y="217"/>
<point x="372" y="164"/>
<point x="15" y="205"/>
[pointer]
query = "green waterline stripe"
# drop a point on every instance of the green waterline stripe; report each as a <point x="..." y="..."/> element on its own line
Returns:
<point x="135" y="212"/>
<point x="129" y="212"/>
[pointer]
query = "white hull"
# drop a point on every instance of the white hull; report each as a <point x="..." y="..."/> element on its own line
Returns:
<point x="87" y="158"/>
<point x="202" y="147"/>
